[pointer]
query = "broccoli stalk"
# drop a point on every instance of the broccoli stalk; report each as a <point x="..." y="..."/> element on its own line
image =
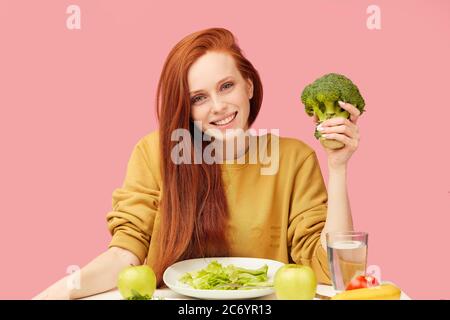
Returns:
<point x="321" y="99"/>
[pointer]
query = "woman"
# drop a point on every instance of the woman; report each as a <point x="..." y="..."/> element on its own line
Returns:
<point x="168" y="211"/>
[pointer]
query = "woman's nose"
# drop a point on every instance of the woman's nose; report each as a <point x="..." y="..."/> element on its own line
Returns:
<point x="217" y="105"/>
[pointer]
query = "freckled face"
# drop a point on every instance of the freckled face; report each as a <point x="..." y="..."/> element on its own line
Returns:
<point x="219" y="94"/>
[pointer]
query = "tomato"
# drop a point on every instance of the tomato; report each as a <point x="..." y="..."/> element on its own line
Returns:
<point x="372" y="281"/>
<point x="359" y="282"/>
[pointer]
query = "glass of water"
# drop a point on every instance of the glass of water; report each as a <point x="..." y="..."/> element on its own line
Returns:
<point x="347" y="256"/>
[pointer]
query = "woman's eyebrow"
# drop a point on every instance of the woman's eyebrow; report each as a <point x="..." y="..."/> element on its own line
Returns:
<point x="224" y="79"/>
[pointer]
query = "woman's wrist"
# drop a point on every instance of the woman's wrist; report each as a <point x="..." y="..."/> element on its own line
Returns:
<point x="340" y="169"/>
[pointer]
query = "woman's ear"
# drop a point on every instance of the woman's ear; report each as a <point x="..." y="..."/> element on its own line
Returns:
<point x="250" y="88"/>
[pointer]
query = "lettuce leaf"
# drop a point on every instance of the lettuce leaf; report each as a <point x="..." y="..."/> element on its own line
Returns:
<point x="217" y="277"/>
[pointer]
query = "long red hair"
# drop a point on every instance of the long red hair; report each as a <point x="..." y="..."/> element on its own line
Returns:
<point x="194" y="211"/>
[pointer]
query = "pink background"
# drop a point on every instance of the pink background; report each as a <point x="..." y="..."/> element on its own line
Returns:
<point x="74" y="103"/>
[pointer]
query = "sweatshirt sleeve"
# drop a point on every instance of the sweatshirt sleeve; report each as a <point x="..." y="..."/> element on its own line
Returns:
<point x="308" y="212"/>
<point x="134" y="205"/>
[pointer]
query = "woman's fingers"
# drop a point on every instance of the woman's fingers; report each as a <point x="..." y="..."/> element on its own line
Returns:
<point x="335" y="122"/>
<point x="344" y="129"/>
<point x="354" y="112"/>
<point x="330" y="123"/>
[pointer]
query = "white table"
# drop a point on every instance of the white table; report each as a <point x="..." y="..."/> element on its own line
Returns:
<point x="168" y="294"/>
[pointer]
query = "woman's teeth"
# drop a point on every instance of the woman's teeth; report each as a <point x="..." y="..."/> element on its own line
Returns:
<point x="226" y="120"/>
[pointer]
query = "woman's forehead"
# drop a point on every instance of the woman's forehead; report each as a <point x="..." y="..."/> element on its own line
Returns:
<point x="211" y="68"/>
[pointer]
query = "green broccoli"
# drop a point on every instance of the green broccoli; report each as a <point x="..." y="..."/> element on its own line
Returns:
<point x="321" y="99"/>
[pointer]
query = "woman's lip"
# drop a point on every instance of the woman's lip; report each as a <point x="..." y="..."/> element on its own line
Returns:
<point x="229" y="124"/>
<point x="228" y="115"/>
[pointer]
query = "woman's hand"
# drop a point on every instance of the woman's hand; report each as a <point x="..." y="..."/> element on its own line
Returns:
<point x="343" y="130"/>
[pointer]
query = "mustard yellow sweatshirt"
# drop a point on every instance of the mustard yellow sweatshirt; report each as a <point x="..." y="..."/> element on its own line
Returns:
<point x="277" y="217"/>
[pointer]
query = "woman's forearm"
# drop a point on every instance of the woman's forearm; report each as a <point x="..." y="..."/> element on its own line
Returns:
<point x="339" y="216"/>
<point x="101" y="274"/>
<point x="97" y="276"/>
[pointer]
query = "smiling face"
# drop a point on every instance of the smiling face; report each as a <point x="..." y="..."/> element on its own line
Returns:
<point x="220" y="96"/>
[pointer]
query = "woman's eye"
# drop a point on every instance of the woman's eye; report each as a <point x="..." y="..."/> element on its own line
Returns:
<point x="196" y="99"/>
<point x="227" y="85"/>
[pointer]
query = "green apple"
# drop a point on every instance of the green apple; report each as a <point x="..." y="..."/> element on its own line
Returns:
<point x="137" y="282"/>
<point x="295" y="282"/>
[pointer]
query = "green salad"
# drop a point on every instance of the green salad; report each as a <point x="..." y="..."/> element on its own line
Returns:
<point x="217" y="277"/>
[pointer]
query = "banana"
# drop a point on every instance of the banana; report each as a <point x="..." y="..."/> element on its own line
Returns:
<point x="381" y="292"/>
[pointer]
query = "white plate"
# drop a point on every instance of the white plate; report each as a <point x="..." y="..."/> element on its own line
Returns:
<point x="175" y="271"/>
